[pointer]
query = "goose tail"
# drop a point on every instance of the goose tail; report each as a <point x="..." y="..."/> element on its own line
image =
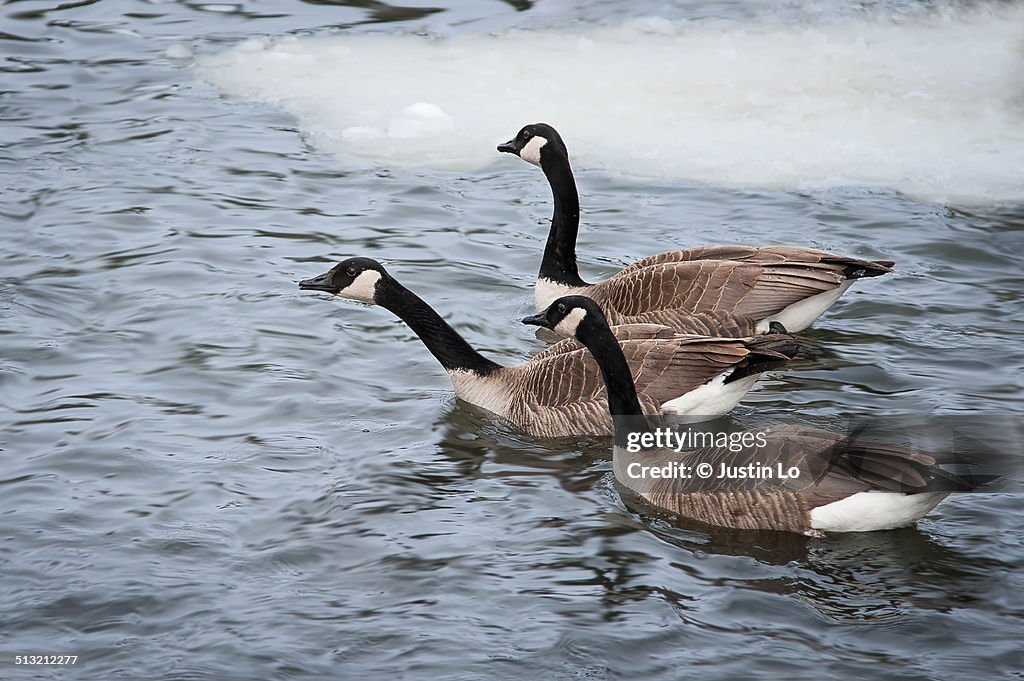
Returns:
<point x="862" y="269"/>
<point x="767" y="352"/>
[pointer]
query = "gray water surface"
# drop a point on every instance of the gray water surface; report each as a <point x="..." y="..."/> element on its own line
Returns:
<point x="210" y="475"/>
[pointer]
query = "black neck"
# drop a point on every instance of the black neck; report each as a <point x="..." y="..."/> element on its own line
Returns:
<point x="444" y="343"/>
<point x="559" y="263"/>
<point x="618" y="380"/>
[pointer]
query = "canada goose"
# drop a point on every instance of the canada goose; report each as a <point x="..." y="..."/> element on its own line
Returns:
<point x="839" y="485"/>
<point x="788" y="284"/>
<point x="559" y="391"/>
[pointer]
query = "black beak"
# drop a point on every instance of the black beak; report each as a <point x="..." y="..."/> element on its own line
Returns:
<point x="539" y="319"/>
<point x="508" y="147"/>
<point x="321" y="283"/>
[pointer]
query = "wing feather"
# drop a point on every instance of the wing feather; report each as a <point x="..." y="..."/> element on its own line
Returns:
<point x="551" y="388"/>
<point x="669" y="292"/>
<point x="764" y="255"/>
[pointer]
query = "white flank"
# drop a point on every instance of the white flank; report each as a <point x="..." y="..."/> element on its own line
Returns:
<point x="799" y="316"/>
<point x="869" y="511"/>
<point x="714" y="398"/>
<point x="567" y="327"/>
<point x="363" y="287"/>
<point x="486" y="392"/>
<point x="531" y="150"/>
<point x="546" y="292"/>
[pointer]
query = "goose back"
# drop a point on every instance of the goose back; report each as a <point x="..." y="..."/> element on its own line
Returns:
<point x="670" y="292"/>
<point x="851" y="268"/>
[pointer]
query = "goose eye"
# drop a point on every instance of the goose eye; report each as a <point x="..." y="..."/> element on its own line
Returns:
<point x="527" y="134"/>
<point x="351" y="271"/>
<point x="561" y="308"/>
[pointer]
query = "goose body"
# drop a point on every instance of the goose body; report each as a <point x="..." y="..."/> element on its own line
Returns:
<point x="848" y="497"/>
<point x="831" y="484"/>
<point x="787" y="284"/>
<point x="559" y="392"/>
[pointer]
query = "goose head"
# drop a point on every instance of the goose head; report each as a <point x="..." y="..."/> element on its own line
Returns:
<point x="535" y="143"/>
<point x="355" y="278"/>
<point x="576" y="316"/>
<point x="582" y="318"/>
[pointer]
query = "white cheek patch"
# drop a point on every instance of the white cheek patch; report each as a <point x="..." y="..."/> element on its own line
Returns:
<point x="531" y="150"/>
<point x="363" y="287"/>
<point x="567" y="327"/>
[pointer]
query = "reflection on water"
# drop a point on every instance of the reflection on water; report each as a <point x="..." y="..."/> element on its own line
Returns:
<point x="210" y="475"/>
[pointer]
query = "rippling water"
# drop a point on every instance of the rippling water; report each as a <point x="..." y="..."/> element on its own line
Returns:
<point x="210" y="475"/>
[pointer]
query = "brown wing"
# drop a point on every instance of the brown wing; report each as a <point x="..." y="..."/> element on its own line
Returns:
<point x="664" y="371"/>
<point x="679" y="288"/>
<point x="831" y="465"/>
<point x="709" y="324"/>
<point x="706" y="324"/>
<point x="561" y="393"/>
<point x="715" y="323"/>
<point x="624" y="332"/>
<point x="566" y="392"/>
<point x="776" y="255"/>
<point x="639" y="331"/>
